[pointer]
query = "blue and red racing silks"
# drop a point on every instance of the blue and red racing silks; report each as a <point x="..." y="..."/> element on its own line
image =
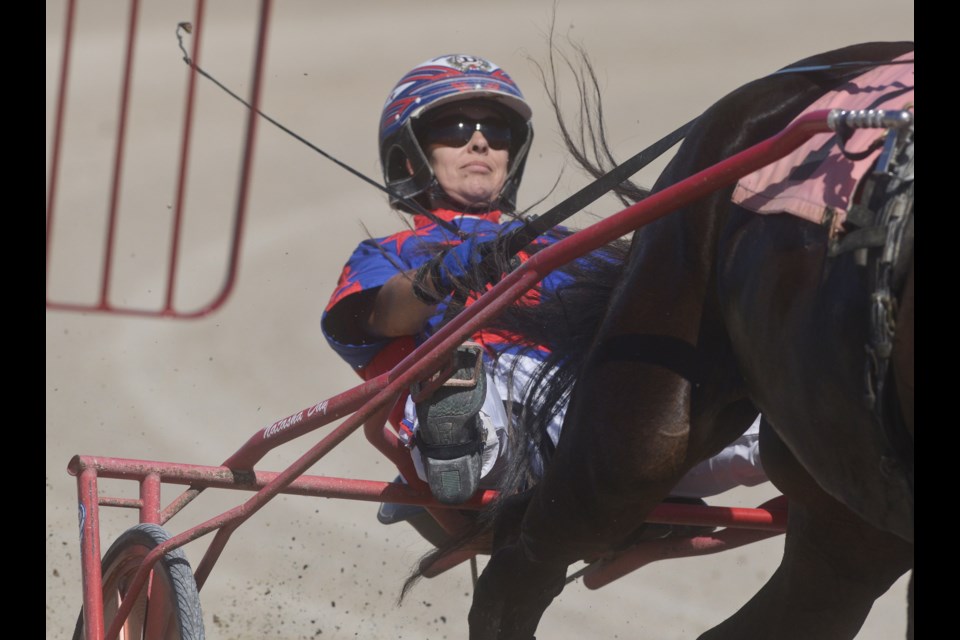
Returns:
<point x="375" y="261"/>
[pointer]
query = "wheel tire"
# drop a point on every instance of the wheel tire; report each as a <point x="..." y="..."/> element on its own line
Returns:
<point x="171" y="611"/>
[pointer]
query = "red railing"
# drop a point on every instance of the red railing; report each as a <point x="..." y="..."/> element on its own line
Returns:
<point x="113" y="183"/>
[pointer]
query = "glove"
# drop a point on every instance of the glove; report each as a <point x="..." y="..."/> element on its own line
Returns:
<point x="461" y="263"/>
<point x="461" y="267"/>
<point x="467" y="266"/>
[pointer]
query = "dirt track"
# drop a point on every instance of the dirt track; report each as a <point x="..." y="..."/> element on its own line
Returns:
<point x="194" y="390"/>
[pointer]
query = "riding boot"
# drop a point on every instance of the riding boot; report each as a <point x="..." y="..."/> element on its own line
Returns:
<point x="450" y="435"/>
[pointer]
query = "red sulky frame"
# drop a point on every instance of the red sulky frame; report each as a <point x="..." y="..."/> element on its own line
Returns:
<point x="369" y="405"/>
<point x="168" y="309"/>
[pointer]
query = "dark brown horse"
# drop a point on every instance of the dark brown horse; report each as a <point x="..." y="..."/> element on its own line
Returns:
<point x="721" y="313"/>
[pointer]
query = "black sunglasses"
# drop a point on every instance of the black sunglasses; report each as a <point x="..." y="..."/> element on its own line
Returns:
<point x="457" y="130"/>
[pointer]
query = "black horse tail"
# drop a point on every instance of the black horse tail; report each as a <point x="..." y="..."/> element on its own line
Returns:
<point x="564" y="321"/>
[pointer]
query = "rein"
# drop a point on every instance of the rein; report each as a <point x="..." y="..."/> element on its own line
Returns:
<point x="186" y="26"/>
<point x="522" y="237"/>
<point x="517" y="240"/>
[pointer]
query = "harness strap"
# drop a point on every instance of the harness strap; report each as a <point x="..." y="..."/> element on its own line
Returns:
<point x="864" y="238"/>
<point x="519" y="239"/>
<point x="449" y="451"/>
<point x="884" y="242"/>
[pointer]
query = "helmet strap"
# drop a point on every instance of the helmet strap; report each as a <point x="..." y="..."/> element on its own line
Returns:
<point x="437" y="198"/>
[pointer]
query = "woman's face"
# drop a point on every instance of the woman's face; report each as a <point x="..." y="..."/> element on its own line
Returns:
<point x="469" y="159"/>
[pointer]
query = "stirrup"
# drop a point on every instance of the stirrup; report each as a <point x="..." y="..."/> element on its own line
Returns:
<point x="450" y="435"/>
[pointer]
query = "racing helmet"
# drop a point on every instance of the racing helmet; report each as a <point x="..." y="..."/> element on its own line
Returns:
<point x="434" y="83"/>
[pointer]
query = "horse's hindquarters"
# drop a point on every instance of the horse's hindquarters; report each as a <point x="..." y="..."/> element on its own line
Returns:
<point x="902" y="357"/>
<point x="798" y="322"/>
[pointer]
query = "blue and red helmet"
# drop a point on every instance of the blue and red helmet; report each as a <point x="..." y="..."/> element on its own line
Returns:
<point x="434" y="83"/>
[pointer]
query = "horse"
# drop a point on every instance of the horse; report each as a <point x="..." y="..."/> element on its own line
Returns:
<point x="718" y="314"/>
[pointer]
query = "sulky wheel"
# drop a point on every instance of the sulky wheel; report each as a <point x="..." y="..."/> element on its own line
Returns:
<point x="168" y="607"/>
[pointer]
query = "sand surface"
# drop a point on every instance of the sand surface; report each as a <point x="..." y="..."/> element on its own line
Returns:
<point x="193" y="391"/>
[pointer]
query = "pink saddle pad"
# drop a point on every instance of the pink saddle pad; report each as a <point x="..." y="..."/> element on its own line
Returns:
<point x="817" y="178"/>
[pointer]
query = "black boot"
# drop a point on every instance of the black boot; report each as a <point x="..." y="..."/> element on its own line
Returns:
<point x="450" y="435"/>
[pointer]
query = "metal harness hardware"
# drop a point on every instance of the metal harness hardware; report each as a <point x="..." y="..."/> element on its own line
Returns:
<point x="881" y="237"/>
<point x="423" y="389"/>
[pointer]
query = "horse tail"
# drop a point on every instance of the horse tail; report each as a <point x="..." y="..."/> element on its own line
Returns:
<point x="560" y="329"/>
<point x="564" y="321"/>
<point x="561" y="325"/>
<point x="586" y="141"/>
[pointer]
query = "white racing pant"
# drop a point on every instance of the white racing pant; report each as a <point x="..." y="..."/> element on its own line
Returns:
<point x="507" y="379"/>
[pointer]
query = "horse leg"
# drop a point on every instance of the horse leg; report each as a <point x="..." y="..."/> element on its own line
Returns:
<point x="633" y="428"/>
<point x="834" y="565"/>
<point x="615" y="461"/>
<point x="508" y="615"/>
<point x="910" y="608"/>
<point x="512" y="594"/>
